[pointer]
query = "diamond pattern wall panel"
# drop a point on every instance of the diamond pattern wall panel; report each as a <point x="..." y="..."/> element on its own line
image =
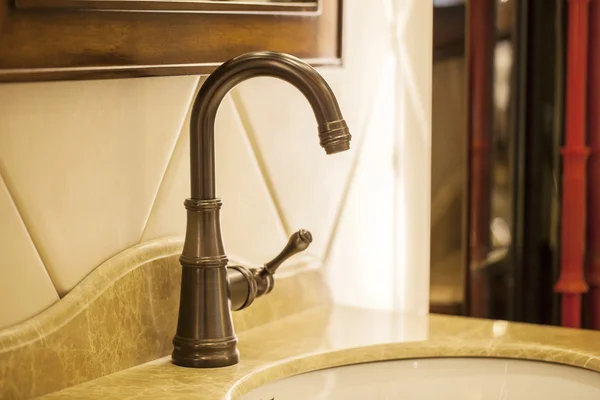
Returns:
<point x="83" y="162"/>
<point x="86" y="165"/>
<point x="25" y="287"/>
<point x="360" y="267"/>
<point x="252" y="230"/>
<point x="309" y="185"/>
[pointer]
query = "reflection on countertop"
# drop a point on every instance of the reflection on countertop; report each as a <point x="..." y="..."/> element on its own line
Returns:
<point x="329" y="336"/>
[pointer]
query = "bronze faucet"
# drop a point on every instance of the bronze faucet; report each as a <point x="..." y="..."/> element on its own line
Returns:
<point x="209" y="290"/>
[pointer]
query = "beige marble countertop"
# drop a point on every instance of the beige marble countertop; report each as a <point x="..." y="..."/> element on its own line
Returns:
<point x="330" y="336"/>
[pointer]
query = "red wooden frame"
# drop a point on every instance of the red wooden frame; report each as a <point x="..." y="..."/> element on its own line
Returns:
<point x="480" y="36"/>
<point x="593" y="203"/>
<point x="571" y="283"/>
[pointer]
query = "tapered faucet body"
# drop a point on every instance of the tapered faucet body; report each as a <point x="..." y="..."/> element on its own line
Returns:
<point x="205" y="336"/>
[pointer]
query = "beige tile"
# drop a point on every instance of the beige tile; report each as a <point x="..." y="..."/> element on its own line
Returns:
<point x="83" y="161"/>
<point x="309" y="185"/>
<point x="252" y="230"/>
<point x="25" y="287"/>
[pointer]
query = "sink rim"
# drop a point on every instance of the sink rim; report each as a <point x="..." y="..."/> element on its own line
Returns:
<point x="317" y="361"/>
<point x="432" y="377"/>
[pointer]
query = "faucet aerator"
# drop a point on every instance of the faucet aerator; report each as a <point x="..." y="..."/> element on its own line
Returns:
<point x="337" y="147"/>
<point x="335" y="136"/>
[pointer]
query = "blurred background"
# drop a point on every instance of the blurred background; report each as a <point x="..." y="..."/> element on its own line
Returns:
<point x="501" y="105"/>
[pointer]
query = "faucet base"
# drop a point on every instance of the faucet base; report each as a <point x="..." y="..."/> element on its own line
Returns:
<point x="205" y="353"/>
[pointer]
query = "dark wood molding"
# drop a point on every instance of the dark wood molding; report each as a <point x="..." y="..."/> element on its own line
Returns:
<point x="449" y="30"/>
<point x="3" y="13"/>
<point x="61" y="44"/>
<point x="449" y="24"/>
<point x="446" y="308"/>
<point x="480" y="47"/>
<point x="169" y="5"/>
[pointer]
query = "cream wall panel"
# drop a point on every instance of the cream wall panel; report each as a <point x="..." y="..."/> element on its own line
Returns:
<point x="360" y="268"/>
<point x="309" y="185"/>
<point x="84" y="160"/>
<point x="25" y="287"/>
<point x="252" y="230"/>
<point x="414" y="21"/>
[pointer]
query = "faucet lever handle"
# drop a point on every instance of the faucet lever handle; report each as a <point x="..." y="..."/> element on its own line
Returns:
<point x="299" y="241"/>
<point x="246" y="284"/>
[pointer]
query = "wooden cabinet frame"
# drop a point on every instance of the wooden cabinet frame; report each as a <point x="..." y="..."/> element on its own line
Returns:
<point x="83" y="39"/>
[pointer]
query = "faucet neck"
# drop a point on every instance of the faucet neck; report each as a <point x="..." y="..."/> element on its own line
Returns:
<point x="217" y="85"/>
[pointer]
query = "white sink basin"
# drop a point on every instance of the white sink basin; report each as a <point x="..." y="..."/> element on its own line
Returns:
<point x="438" y="378"/>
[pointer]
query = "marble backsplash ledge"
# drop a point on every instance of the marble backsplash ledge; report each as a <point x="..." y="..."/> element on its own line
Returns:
<point x="124" y="314"/>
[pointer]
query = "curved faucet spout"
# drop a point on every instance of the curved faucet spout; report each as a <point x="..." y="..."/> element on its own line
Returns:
<point x="333" y="131"/>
